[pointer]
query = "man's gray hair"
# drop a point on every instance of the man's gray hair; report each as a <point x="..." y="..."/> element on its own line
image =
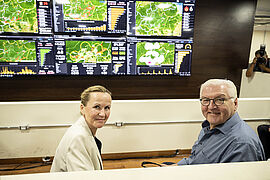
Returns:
<point x="232" y="91"/>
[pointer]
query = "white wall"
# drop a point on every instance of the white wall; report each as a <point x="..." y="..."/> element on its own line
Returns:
<point x="39" y="142"/>
<point x="257" y="85"/>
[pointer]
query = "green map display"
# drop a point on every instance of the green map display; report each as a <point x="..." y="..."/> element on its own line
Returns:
<point x="155" y="53"/>
<point x="18" y="16"/>
<point x="17" y="51"/>
<point x="88" y="52"/>
<point x="158" y="18"/>
<point x="85" y="10"/>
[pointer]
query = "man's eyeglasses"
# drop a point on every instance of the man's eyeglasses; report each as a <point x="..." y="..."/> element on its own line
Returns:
<point x="216" y="101"/>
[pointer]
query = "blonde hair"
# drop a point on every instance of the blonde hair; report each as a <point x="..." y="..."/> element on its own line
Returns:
<point x="231" y="88"/>
<point x="85" y="96"/>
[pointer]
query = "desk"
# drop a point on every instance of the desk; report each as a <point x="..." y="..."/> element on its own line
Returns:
<point x="228" y="171"/>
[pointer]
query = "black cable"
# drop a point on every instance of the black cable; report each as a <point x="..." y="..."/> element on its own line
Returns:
<point x="148" y="162"/>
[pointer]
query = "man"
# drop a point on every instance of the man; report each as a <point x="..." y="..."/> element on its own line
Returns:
<point x="224" y="137"/>
<point x="260" y="63"/>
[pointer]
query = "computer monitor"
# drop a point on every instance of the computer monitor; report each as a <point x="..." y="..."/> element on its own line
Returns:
<point x="90" y="55"/>
<point x="90" y="16"/>
<point x="159" y="56"/>
<point x="28" y="55"/>
<point x="173" y="18"/>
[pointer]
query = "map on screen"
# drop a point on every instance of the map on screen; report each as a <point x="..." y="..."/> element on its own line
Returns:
<point x="156" y="53"/>
<point x="85" y="10"/>
<point x="17" y="51"/>
<point x="158" y="18"/>
<point x="18" y="16"/>
<point x="88" y="52"/>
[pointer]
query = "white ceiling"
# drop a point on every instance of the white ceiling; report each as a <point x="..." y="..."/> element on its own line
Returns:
<point x="262" y="15"/>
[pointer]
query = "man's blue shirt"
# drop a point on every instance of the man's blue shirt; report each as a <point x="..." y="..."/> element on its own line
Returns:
<point x="233" y="141"/>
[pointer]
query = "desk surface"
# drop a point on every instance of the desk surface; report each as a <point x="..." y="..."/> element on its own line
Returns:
<point x="228" y="171"/>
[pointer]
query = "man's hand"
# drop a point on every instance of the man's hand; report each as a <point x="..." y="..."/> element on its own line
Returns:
<point x="254" y="60"/>
<point x="249" y="72"/>
<point x="262" y="66"/>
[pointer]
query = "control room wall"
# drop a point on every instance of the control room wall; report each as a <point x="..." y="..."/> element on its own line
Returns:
<point x="223" y="32"/>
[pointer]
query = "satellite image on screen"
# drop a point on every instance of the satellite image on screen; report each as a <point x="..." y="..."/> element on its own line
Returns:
<point x="85" y="10"/>
<point x="88" y="52"/>
<point x="158" y="18"/>
<point x="149" y="53"/>
<point x="17" y="51"/>
<point x="18" y="16"/>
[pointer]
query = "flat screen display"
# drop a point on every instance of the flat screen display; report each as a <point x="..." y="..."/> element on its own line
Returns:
<point x="96" y="37"/>
<point x="90" y="55"/>
<point x="161" y="18"/>
<point x="28" y="55"/>
<point x="159" y="56"/>
<point x="90" y="16"/>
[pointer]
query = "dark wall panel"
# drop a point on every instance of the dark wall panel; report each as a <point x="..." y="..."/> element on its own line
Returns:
<point x="223" y="32"/>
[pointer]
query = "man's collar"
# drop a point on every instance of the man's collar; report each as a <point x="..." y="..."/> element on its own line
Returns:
<point x="205" y="124"/>
<point x="225" y="127"/>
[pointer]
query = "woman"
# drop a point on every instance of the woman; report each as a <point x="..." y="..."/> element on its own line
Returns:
<point x="79" y="149"/>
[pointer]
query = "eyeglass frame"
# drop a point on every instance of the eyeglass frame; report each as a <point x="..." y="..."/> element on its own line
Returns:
<point x="213" y="99"/>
